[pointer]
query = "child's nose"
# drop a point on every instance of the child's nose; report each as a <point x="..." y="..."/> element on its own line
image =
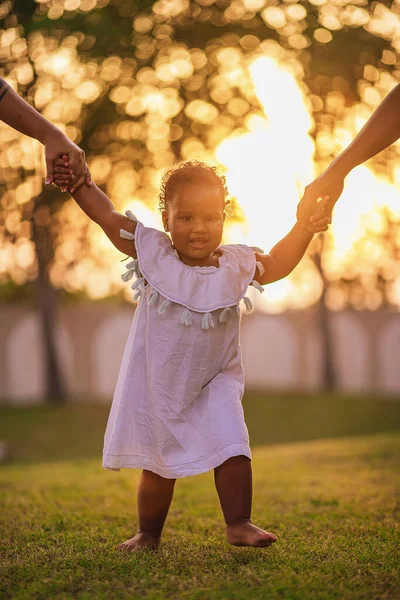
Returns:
<point x="200" y="225"/>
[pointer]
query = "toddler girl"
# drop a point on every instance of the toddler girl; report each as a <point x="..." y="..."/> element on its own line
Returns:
<point x="177" y="408"/>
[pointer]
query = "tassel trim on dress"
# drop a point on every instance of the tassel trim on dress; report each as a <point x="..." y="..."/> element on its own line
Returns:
<point x="207" y="321"/>
<point x="186" y="318"/>
<point x="138" y="285"/>
<point x="130" y="215"/>
<point x="153" y="297"/>
<point x="132" y="268"/>
<point x="260" y="267"/>
<point x="248" y="304"/>
<point x="163" y="306"/>
<point x="126" y="235"/>
<point x="225" y="314"/>
<point x="257" y="285"/>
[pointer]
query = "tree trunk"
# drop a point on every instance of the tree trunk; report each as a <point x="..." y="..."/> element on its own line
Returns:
<point x="329" y="375"/>
<point x="47" y="300"/>
<point x="42" y="238"/>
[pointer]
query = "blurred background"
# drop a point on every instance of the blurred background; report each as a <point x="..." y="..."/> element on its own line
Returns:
<point x="270" y="91"/>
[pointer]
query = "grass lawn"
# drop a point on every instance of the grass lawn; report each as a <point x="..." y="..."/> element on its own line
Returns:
<point x="333" y="503"/>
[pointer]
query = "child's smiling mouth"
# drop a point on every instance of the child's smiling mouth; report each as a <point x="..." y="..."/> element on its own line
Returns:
<point x="198" y="242"/>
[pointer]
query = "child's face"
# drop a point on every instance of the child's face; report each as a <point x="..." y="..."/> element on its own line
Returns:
<point x="195" y="219"/>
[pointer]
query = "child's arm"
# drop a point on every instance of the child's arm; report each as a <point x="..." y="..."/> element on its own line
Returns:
<point x="19" y="115"/>
<point x="285" y="255"/>
<point x="99" y="208"/>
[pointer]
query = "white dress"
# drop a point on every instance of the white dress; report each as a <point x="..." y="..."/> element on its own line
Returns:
<point x="177" y="408"/>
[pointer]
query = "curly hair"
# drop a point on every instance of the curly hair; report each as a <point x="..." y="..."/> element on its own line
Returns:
<point x="190" y="171"/>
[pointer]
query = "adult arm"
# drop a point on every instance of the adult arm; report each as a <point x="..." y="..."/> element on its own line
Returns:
<point x="24" y="118"/>
<point x="379" y="132"/>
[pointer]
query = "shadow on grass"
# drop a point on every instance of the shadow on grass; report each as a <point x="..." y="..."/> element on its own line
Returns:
<point x="73" y="432"/>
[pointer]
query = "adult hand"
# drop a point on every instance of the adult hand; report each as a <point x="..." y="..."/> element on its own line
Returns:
<point x="57" y="145"/>
<point x="310" y="212"/>
<point x="63" y="176"/>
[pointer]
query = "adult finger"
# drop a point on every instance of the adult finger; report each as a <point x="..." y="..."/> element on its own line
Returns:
<point x="49" y="167"/>
<point x="88" y="175"/>
<point x="307" y="205"/>
<point x="325" y="207"/>
<point x="320" y="214"/>
<point x="322" y="227"/>
<point x="76" y="160"/>
<point x="79" y="182"/>
<point x="321" y="224"/>
<point x="65" y="170"/>
<point x="322" y="221"/>
<point x="61" y="162"/>
<point x="51" y="160"/>
<point x="327" y="203"/>
<point x="62" y="177"/>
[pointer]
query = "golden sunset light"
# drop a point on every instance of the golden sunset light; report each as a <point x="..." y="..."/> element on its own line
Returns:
<point x="242" y="103"/>
<point x="269" y="133"/>
<point x="267" y="166"/>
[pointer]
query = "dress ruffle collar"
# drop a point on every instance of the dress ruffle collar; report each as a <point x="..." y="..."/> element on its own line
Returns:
<point x="200" y="289"/>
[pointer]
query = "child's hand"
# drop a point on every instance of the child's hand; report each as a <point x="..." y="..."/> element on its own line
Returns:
<point x="65" y="178"/>
<point x="319" y="221"/>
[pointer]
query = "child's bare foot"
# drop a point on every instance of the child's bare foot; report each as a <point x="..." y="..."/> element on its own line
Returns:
<point x="140" y="541"/>
<point x="247" y="534"/>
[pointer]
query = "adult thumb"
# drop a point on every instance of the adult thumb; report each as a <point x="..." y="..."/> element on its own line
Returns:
<point x="49" y="170"/>
<point x="327" y="204"/>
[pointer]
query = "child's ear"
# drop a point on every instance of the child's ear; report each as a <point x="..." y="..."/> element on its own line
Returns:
<point x="165" y="220"/>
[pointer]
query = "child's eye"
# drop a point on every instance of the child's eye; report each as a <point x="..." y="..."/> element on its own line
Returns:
<point x="186" y="218"/>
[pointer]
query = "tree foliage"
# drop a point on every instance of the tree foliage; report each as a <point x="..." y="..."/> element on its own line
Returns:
<point x="141" y="84"/>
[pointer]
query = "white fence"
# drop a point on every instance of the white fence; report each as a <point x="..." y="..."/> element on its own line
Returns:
<point x="279" y="351"/>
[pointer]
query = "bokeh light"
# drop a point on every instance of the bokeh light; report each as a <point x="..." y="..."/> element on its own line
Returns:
<point x="268" y="91"/>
